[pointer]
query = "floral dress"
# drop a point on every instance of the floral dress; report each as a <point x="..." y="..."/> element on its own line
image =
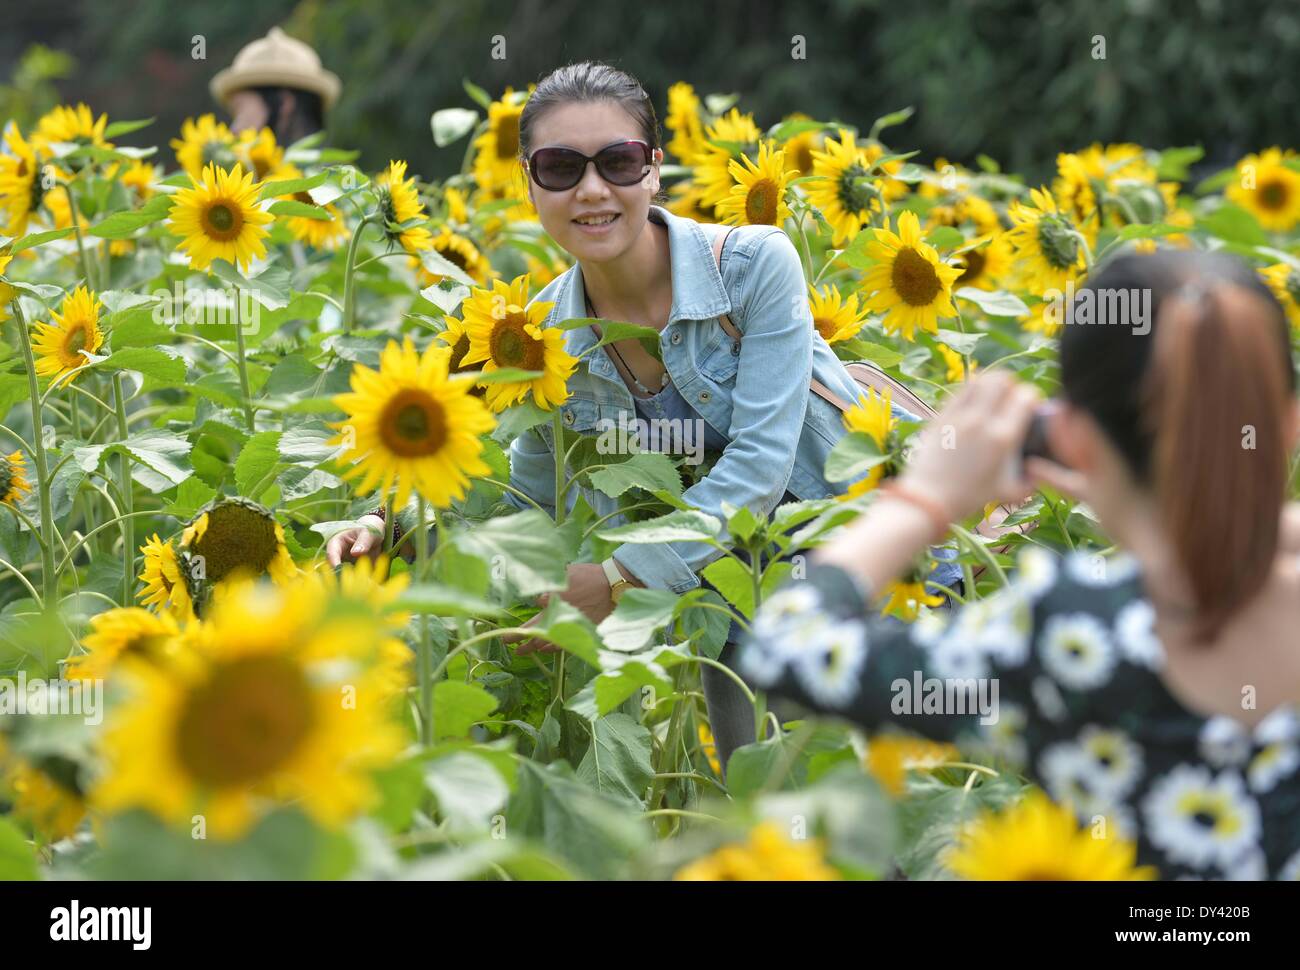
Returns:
<point x="1058" y="675"/>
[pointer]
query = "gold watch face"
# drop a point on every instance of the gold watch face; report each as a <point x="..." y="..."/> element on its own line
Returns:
<point x="617" y="590"/>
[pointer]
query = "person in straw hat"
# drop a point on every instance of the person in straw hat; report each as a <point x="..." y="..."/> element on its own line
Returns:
<point x="277" y="82"/>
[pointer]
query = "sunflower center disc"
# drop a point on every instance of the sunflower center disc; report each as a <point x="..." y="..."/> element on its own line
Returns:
<point x="914" y="279"/>
<point x="413" y="424"/>
<point x="237" y="538"/>
<point x="513" y="347"/>
<point x="975" y="260"/>
<point x="222" y="221"/>
<point x="760" y="204"/>
<point x="247" y="720"/>
<point x="508" y="139"/>
<point x="1272" y="195"/>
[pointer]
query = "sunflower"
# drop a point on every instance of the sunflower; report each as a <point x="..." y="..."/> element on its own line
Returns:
<point x="164" y="586"/>
<point x="799" y="148"/>
<point x="972" y="210"/>
<point x="758" y="197"/>
<point x="7" y="292"/>
<point x="496" y="150"/>
<point x="911" y="284"/>
<point x="891" y="188"/>
<point x="281" y="701"/>
<point x="67" y="125"/>
<point x="1284" y="281"/>
<point x="21" y="187"/>
<point x="505" y="331"/>
<point x="541" y="272"/>
<point x="730" y="137"/>
<point x="202" y="143"/>
<point x="835" y="318"/>
<point x="457" y="205"/>
<point x="709" y="749"/>
<point x="1073" y="189"/>
<point x="984" y="267"/>
<point x="124" y="635"/>
<point x="58" y="346"/>
<point x="954" y="363"/>
<point x="456" y="337"/>
<point x="684" y="122"/>
<point x="767" y="856"/>
<point x="410" y="426"/>
<point x="844" y="190"/>
<point x="459" y="250"/>
<point x="948" y="179"/>
<point x="259" y="153"/>
<point x="872" y="415"/>
<point x="219" y="218"/>
<point x="400" y="203"/>
<point x="229" y="539"/>
<point x="1037" y="840"/>
<point x="1268" y="189"/>
<point x="891" y="756"/>
<point x="12" y="481"/>
<point x="904" y="597"/>
<point x="1045" y="244"/>
<point x="45" y="793"/>
<point x="687" y="199"/>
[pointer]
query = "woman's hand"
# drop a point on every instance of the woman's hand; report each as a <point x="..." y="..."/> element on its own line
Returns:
<point x="969" y="454"/>
<point x="587" y="589"/>
<point x="366" y="538"/>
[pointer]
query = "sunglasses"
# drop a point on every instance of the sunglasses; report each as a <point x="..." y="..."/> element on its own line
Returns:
<point x="622" y="163"/>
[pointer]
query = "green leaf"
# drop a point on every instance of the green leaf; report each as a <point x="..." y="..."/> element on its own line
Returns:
<point x="257" y="459"/>
<point x="263" y="291"/>
<point x="37" y="238"/>
<point x="945" y="237"/>
<point x="122" y="224"/>
<point x="469" y="790"/>
<point x="749" y="766"/>
<point x="191" y="495"/>
<point x="458" y="706"/>
<point x="271" y="190"/>
<point x="853" y="454"/>
<point x="294" y="209"/>
<point x="17" y="858"/>
<point x="481" y="97"/>
<point x="859" y="349"/>
<point x="452" y="124"/>
<point x="673" y="527"/>
<point x="564" y="625"/>
<point x="639" y="615"/>
<point x="649" y="470"/>
<point x="997" y="303"/>
<point x="963" y="343"/>
<point x="1232" y="223"/>
<point x="118" y="128"/>
<point x="889" y="121"/>
<point x="618" y="761"/>
<point x="149" y="361"/>
<point x="520" y="547"/>
<point x="1173" y="163"/>
<point x="624" y="675"/>
<point x="163" y="458"/>
<point x="442" y="600"/>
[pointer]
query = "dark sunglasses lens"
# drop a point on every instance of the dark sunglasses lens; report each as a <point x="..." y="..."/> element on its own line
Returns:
<point x="557" y="168"/>
<point x="622" y="164"/>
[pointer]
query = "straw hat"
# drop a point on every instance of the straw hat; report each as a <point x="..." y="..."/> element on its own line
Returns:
<point x="277" y="60"/>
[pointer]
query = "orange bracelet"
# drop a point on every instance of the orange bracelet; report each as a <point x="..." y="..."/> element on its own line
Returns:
<point x="937" y="514"/>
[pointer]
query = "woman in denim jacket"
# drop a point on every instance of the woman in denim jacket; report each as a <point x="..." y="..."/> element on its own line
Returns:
<point x="634" y="261"/>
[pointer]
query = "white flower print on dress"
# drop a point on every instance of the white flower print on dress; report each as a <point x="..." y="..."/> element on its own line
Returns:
<point x="791" y="604"/>
<point x="1273" y="763"/>
<point x="1290" y="871"/>
<point x="1076" y="649"/>
<point x="1223" y="742"/>
<point x="1094" y="570"/>
<point x="1135" y="633"/>
<point x="1036" y="572"/>
<point x="829" y="665"/>
<point x="1047" y="696"/>
<point x="1201" y="820"/>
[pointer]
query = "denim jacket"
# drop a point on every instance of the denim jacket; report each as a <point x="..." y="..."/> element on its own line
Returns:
<point x="753" y="392"/>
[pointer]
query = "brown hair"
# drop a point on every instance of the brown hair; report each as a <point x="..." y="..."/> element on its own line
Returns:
<point x="1199" y="408"/>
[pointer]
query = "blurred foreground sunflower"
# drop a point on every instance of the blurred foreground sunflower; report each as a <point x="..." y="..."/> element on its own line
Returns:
<point x="767" y="856"/>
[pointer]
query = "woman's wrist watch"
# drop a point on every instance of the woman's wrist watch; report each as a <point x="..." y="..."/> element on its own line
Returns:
<point x="618" y="584"/>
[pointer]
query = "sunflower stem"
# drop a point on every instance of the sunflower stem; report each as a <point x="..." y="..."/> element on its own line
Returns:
<point x="390" y="525"/>
<point x="243" y="381"/>
<point x="48" y="578"/>
<point x="424" y="659"/>
<point x="558" y="433"/>
<point x="81" y="244"/>
<point x="806" y="249"/>
<point x="127" y="521"/>
<point x="349" y="273"/>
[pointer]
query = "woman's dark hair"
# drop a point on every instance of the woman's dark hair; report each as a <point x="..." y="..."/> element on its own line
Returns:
<point x="306" y="118"/>
<point x="1192" y="384"/>
<point x="589" y="81"/>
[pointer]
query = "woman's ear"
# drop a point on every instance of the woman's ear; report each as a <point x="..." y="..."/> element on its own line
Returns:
<point x="652" y="177"/>
<point x="528" y="182"/>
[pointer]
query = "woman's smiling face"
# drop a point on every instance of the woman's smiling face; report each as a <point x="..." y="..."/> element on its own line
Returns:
<point x="588" y="127"/>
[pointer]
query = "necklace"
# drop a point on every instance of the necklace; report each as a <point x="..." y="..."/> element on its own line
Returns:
<point x="591" y="311"/>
